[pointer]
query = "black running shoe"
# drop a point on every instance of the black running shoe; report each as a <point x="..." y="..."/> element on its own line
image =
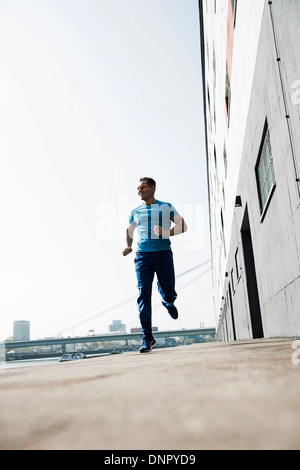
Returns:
<point x="148" y="345"/>
<point x="173" y="312"/>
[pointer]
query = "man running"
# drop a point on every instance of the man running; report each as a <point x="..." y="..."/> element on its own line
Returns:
<point x="153" y="255"/>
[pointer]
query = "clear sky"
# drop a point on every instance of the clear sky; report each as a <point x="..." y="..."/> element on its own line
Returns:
<point x="95" y="94"/>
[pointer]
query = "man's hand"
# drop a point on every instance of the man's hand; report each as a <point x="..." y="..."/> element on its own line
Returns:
<point x="160" y="231"/>
<point x="129" y="239"/>
<point x="180" y="227"/>
<point x="127" y="251"/>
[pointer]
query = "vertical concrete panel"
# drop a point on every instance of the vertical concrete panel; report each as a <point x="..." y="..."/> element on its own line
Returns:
<point x="293" y="305"/>
<point x="282" y="312"/>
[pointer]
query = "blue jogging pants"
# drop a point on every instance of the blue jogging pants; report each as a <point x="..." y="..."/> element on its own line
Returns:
<point x="147" y="263"/>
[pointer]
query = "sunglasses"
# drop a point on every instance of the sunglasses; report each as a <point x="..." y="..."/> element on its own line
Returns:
<point x="143" y="186"/>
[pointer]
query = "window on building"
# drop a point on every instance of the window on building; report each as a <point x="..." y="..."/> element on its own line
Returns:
<point x="234" y="5"/>
<point x="215" y="158"/>
<point x="225" y="161"/>
<point x="208" y="98"/>
<point x="265" y="171"/>
<point x="222" y="234"/>
<point x="227" y="97"/>
<point x="232" y="281"/>
<point x="237" y="264"/>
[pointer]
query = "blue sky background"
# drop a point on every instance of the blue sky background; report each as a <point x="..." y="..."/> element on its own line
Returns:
<point x="95" y="94"/>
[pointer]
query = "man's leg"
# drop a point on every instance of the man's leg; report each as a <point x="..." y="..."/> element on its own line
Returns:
<point x="166" y="280"/>
<point x="145" y="274"/>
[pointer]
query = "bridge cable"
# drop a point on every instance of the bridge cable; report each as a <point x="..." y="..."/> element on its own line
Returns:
<point x="114" y="307"/>
<point x="157" y="304"/>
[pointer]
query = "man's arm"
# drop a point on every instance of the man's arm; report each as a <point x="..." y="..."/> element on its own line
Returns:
<point x="129" y="239"/>
<point x="179" y="227"/>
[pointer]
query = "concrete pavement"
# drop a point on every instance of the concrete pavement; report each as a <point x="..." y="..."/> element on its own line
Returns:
<point x="242" y="395"/>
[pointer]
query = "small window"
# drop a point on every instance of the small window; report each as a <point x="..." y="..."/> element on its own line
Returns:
<point x="232" y="281"/>
<point x="215" y="158"/>
<point x="227" y="97"/>
<point x="222" y="233"/>
<point x="237" y="264"/>
<point x="265" y="171"/>
<point x="234" y="5"/>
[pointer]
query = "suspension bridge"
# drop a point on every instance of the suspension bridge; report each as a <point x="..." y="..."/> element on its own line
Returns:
<point x="133" y="298"/>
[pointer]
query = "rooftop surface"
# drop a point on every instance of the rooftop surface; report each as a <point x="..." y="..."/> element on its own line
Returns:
<point x="241" y="395"/>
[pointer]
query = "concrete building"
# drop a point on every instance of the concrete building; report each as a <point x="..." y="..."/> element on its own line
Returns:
<point x="251" y="85"/>
<point x="21" y="330"/>
<point x="117" y="325"/>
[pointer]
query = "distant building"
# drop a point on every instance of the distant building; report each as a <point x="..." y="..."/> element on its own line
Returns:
<point x="138" y="329"/>
<point x="251" y="89"/>
<point x="117" y="325"/>
<point x="21" y="330"/>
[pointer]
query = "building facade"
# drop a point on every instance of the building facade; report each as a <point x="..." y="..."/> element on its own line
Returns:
<point x="21" y="330"/>
<point x="251" y="87"/>
<point x="117" y="325"/>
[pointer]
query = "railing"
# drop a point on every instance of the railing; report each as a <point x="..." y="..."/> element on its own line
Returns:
<point x="107" y="337"/>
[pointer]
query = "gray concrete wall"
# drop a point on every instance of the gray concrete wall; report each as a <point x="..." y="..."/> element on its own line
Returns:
<point x="276" y="237"/>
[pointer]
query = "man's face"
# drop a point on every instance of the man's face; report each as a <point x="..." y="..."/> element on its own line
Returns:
<point x="145" y="191"/>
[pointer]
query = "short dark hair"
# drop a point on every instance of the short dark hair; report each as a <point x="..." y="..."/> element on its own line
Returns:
<point x="150" y="181"/>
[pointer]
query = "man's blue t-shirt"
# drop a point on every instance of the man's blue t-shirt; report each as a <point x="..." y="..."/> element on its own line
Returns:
<point x="145" y="217"/>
